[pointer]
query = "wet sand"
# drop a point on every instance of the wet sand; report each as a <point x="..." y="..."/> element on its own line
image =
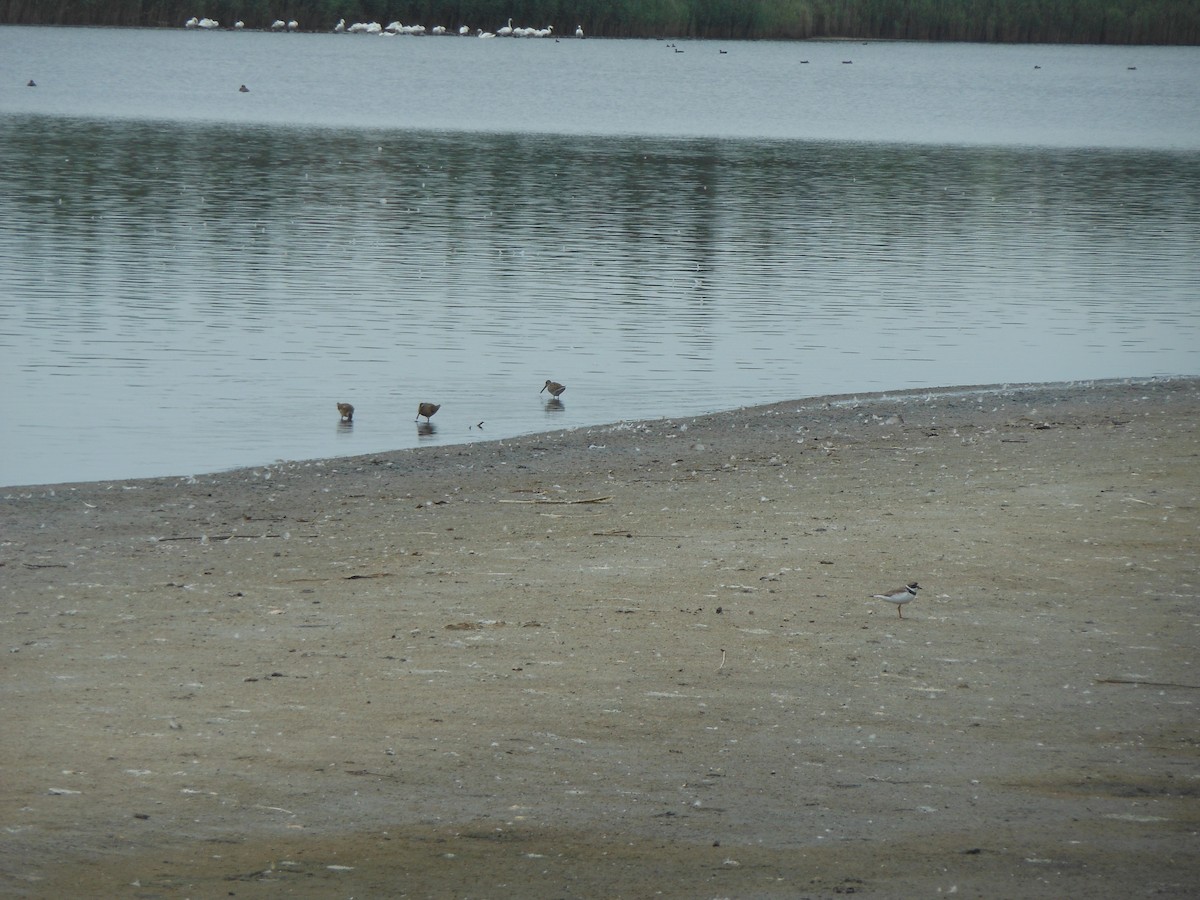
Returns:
<point x="630" y="661"/>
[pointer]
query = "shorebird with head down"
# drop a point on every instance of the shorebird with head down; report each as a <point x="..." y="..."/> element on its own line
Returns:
<point x="553" y="387"/>
<point x="347" y="412"/>
<point x="427" y="410"/>
<point x="899" y="596"/>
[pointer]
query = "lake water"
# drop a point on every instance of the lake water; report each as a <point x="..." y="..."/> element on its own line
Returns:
<point x="191" y="276"/>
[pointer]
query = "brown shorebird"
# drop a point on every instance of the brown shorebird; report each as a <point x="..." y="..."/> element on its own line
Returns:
<point x="553" y="387"/>
<point x="347" y="412"/>
<point x="427" y="410"/>
<point x="899" y="596"/>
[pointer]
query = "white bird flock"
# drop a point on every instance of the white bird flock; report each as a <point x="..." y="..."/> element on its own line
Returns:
<point x="393" y="29"/>
<point x="398" y="28"/>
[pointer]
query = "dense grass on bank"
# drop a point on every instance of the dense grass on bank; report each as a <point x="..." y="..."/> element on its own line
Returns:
<point x="1022" y="21"/>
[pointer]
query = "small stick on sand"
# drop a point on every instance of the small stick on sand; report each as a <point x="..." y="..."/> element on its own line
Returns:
<point x="563" y="502"/>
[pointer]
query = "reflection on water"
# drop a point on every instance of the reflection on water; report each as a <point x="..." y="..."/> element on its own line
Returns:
<point x="184" y="298"/>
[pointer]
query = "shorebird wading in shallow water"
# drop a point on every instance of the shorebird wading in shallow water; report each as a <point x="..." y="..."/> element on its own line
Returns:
<point x="553" y="387"/>
<point x="427" y="410"/>
<point x="899" y="596"/>
<point x="347" y="411"/>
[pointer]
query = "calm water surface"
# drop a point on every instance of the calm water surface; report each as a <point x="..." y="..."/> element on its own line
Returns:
<point x="191" y="276"/>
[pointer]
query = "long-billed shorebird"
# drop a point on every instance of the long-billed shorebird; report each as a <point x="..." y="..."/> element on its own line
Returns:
<point x="553" y="387"/>
<point x="899" y="596"/>
<point x="427" y="410"/>
<point x="347" y="412"/>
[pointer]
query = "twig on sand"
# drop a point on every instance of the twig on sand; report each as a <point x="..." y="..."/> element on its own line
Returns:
<point x="1148" y="683"/>
<point x="565" y="502"/>
<point x="216" y="537"/>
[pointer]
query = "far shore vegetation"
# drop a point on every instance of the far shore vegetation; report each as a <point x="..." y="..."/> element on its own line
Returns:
<point x="1007" y="21"/>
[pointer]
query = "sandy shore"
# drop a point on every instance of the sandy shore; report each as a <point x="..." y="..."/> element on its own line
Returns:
<point x="628" y="661"/>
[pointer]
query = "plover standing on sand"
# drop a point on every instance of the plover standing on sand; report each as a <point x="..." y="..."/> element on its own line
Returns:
<point x="899" y="596"/>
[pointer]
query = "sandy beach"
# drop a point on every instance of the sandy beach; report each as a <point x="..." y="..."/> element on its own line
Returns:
<point x="637" y="660"/>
